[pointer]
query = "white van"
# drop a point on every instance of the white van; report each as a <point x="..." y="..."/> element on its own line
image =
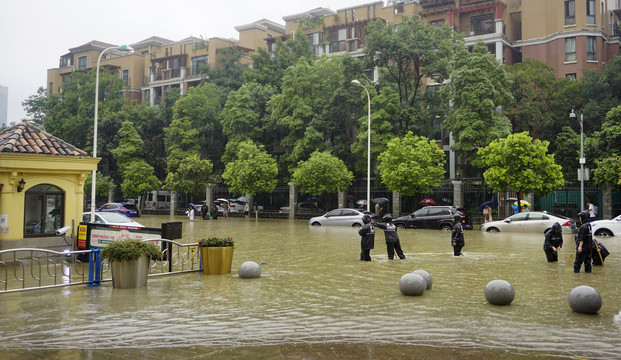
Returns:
<point x="158" y="199"/>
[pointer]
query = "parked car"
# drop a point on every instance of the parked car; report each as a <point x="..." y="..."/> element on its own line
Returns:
<point x="434" y="217"/>
<point x="110" y="218"/>
<point x="303" y="207"/>
<point x="122" y="208"/>
<point x="343" y="217"/>
<point x="530" y="221"/>
<point x="607" y="227"/>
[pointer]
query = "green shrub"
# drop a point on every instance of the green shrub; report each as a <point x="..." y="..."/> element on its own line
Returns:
<point x="130" y="249"/>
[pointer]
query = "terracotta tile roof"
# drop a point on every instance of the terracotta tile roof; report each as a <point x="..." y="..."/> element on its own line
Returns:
<point x="27" y="138"/>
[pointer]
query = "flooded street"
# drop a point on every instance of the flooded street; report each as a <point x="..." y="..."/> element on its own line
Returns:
<point x="314" y="289"/>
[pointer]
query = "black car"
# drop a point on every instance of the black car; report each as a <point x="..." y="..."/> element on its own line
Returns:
<point x="434" y="217"/>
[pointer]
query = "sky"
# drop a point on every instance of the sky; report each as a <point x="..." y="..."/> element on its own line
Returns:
<point x="34" y="34"/>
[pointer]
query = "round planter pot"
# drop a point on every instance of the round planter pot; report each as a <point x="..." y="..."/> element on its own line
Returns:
<point x="130" y="274"/>
<point x="216" y="260"/>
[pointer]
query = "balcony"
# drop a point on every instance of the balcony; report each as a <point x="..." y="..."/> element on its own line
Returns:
<point x="481" y="28"/>
<point x="471" y="2"/>
<point x="427" y="4"/>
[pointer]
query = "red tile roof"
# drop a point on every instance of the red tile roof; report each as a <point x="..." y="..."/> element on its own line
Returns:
<point x="27" y="138"/>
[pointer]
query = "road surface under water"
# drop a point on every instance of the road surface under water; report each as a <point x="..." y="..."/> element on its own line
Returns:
<point x="314" y="290"/>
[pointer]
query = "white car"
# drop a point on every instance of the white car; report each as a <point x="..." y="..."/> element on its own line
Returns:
<point x="110" y="218"/>
<point x="530" y="221"/>
<point x="607" y="227"/>
<point x="345" y="217"/>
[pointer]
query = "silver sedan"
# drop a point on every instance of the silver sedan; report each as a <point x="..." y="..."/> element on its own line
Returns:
<point x="343" y="217"/>
<point x="531" y="222"/>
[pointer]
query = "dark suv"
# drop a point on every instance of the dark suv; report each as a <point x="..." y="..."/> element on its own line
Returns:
<point x="434" y="217"/>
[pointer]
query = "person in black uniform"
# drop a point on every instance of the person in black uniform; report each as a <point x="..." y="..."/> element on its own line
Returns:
<point x="367" y="240"/>
<point x="457" y="239"/>
<point x="392" y="239"/>
<point x="204" y="211"/>
<point x="553" y="242"/>
<point x="584" y="244"/>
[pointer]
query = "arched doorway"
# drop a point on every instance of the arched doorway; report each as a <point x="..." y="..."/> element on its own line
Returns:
<point x="44" y="210"/>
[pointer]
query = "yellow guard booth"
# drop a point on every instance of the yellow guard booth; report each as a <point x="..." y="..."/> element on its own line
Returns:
<point x="41" y="187"/>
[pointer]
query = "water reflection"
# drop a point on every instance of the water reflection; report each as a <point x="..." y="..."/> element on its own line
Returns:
<point x="314" y="289"/>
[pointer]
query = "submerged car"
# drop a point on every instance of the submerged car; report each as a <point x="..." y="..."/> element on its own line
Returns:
<point x="126" y="209"/>
<point x="110" y="218"/>
<point x="530" y="221"/>
<point x="434" y="217"/>
<point x="607" y="227"/>
<point x="343" y="217"/>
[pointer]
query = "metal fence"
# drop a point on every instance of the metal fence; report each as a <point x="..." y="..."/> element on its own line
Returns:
<point x="30" y="268"/>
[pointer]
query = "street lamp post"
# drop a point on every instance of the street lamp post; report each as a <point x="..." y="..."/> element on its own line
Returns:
<point x="357" y="83"/>
<point x="572" y="115"/>
<point x="94" y="172"/>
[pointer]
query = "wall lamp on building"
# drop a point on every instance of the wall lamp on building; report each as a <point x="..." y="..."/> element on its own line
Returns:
<point x="20" y="185"/>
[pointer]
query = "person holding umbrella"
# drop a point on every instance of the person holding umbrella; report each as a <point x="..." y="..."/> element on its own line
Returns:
<point x="487" y="213"/>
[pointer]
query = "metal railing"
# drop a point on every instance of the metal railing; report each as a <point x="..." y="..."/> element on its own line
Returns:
<point x="30" y="268"/>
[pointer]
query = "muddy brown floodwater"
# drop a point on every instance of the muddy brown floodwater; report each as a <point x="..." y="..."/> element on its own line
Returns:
<point x="316" y="300"/>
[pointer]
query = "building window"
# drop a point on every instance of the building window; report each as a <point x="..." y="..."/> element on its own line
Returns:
<point x="571" y="77"/>
<point x="590" y="12"/>
<point x="570" y="12"/>
<point x="316" y="39"/>
<point x="82" y="63"/>
<point x="437" y="22"/>
<point x="570" y="49"/>
<point x="337" y="40"/>
<point x="44" y="210"/>
<point x="591" y="54"/>
<point x="50" y="89"/>
<point x="125" y="76"/>
<point x="199" y="63"/>
<point x="482" y="24"/>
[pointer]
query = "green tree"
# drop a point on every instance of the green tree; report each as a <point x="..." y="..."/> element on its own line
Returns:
<point x="138" y="179"/>
<point x="411" y="165"/>
<point x="130" y="145"/>
<point x="520" y="163"/>
<point x="268" y="68"/>
<point x="608" y="172"/>
<point x="253" y="172"/>
<point x="601" y="92"/>
<point x="301" y="115"/>
<point x="322" y="173"/>
<point x="228" y="72"/>
<point x="192" y="175"/>
<point x="406" y="54"/>
<point x="104" y="184"/>
<point x="477" y="88"/>
<point x="35" y="106"/>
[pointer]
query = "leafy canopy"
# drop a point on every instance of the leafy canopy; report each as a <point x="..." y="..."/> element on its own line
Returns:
<point x="322" y="172"/>
<point x="412" y="164"/>
<point x="253" y="172"/>
<point x="520" y="163"/>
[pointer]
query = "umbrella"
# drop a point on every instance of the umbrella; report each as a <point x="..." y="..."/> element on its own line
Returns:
<point x="243" y="199"/>
<point x="361" y="202"/>
<point x="511" y="199"/>
<point x="522" y="203"/>
<point x="380" y="200"/>
<point x="428" y="201"/>
<point x="351" y="197"/>
<point x="492" y="204"/>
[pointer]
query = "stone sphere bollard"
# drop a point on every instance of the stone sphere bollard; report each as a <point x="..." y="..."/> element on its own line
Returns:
<point x="412" y="284"/>
<point x="499" y="292"/>
<point x="425" y="276"/>
<point x="585" y="300"/>
<point x="249" y="270"/>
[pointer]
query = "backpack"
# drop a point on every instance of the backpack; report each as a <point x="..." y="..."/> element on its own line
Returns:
<point x="595" y="210"/>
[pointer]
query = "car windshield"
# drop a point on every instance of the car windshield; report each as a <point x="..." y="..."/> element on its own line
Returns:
<point x="518" y="217"/>
<point x="112" y="217"/>
<point x="420" y="212"/>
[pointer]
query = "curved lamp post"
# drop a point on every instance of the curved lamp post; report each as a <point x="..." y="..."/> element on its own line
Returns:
<point x="126" y="48"/>
<point x="357" y="83"/>
<point x="572" y="115"/>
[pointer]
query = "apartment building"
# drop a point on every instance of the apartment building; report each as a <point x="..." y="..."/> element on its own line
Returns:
<point x="157" y="64"/>
<point x="569" y="35"/>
